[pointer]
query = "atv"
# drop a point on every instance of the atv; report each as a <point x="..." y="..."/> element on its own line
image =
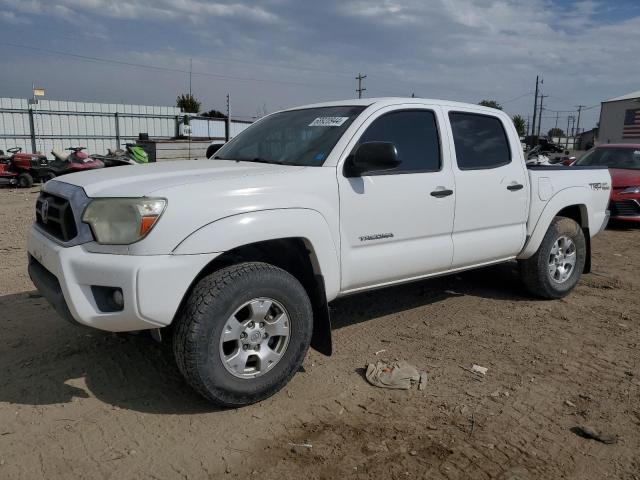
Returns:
<point x="6" y="175"/>
<point x="133" y="155"/>
<point x="27" y="167"/>
<point x="74" y="161"/>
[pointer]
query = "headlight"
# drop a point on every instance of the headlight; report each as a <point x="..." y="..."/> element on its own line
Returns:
<point x="122" y="221"/>
<point x="631" y="190"/>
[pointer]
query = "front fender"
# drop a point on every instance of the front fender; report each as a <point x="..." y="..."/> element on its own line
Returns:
<point x="237" y="230"/>
<point x="567" y="197"/>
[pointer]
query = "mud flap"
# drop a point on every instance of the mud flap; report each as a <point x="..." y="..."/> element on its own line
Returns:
<point x="321" y="337"/>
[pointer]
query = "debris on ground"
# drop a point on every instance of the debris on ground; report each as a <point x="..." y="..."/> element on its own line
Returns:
<point x="303" y="445"/>
<point x="478" y="369"/>
<point x="593" y="434"/>
<point x="400" y="375"/>
<point x="569" y="403"/>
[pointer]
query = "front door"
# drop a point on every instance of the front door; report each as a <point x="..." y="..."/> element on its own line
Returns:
<point x="397" y="225"/>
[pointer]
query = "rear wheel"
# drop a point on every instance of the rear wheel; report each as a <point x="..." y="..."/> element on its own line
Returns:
<point x="25" y="180"/>
<point x="243" y="333"/>
<point x="556" y="267"/>
<point x="45" y="177"/>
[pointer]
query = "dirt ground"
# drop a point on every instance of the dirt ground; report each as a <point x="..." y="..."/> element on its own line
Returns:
<point x="77" y="403"/>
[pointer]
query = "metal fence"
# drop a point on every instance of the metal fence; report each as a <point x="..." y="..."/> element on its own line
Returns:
<point x="56" y="124"/>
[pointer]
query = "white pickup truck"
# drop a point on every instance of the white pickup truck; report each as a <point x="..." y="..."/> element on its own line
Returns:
<point x="234" y="259"/>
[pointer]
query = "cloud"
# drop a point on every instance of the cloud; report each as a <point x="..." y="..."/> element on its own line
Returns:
<point x="144" y="9"/>
<point x="12" y="18"/>
<point x="458" y="49"/>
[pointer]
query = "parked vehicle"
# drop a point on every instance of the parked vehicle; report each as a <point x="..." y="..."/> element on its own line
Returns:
<point x="214" y="147"/>
<point x="75" y="161"/>
<point x="133" y="155"/>
<point x="240" y="255"/>
<point x="7" y="176"/>
<point x="27" y="167"/>
<point x="623" y="161"/>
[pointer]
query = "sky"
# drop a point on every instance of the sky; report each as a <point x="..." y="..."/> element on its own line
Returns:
<point x="274" y="54"/>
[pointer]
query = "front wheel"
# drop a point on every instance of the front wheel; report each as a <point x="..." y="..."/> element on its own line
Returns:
<point x="25" y="180"/>
<point x="243" y="333"/>
<point x="554" y="270"/>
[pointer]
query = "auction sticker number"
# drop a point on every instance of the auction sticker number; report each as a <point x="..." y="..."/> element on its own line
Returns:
<point x="328" y="121"/>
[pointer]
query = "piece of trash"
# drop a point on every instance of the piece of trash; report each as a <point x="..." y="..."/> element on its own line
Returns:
<point x="593" y="434"/>
<point x="569" y="403"/>
<point x="380" y="351"/>
<point x="453" y="292"/>
<point x="303" y="445"/>
<point x="400" y="375"/>
<point x="478" y="369"/>
<point x="422" y="384"/>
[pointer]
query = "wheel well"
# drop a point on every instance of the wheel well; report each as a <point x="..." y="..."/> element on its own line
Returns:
<point x="578" y="213"/>
<point x="297" y="257"/>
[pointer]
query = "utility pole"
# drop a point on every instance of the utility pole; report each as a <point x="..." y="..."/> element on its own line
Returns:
<point x="528" y="124"/>
<point x="568" y="121"/>
<point x="227" y="124"/>
<point x="535" y="109"/>
<point x="580" y="107"/>
<point x="542" y="97"/>
<point x="190" y="71"/>
<point x="360" y="88"/>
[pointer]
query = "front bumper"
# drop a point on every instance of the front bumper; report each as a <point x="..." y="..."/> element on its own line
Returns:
<point x="152" y="286"/>
<point x="625" y="208"/>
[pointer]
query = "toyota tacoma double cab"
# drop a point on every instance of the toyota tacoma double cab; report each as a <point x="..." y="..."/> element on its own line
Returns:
<point x="233" y="260"/>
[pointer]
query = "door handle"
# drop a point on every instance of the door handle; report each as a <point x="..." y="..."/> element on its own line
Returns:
<point x="514" y="187"/>
<point x="441" y="193"/>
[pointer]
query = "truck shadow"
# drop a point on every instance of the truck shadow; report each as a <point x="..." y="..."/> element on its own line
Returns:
<point x="44" y="360"/>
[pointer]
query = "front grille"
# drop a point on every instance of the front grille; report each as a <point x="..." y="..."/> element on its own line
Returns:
<point x="625" y="208"/>
<point x="54" y="215"/>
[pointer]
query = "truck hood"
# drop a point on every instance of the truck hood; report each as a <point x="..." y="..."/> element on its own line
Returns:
<point x="143" y="180"/>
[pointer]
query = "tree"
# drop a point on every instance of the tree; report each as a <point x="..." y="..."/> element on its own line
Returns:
<point x="188" y="103"/>
<point x="214" y="114"/>
<point x="520" y="124"/>
<point x="555" y="132"/>
<point x="491" y="104"/>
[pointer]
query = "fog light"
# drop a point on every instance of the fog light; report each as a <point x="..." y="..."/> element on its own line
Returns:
<point x="108" y="299"/>
<point x="117" y="298"/>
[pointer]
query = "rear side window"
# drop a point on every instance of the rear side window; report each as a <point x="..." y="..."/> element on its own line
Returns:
<point x="415" y="135"/>
<point x="480" y="141"/>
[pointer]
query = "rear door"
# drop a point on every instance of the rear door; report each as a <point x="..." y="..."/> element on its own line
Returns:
<point x="492" y="189"/>
<point x="396" y="225"/>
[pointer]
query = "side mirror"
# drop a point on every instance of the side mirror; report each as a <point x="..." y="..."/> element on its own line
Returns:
<point x="371" y="157"/>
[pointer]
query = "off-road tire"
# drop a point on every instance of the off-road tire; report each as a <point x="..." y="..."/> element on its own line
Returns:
<point x="198" y="328"/>
<point x="534" y="271"/>
<point x="25" y="180"/>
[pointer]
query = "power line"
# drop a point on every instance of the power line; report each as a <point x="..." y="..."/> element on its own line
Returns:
<point x="165" y="69"/>
<point x="516" y="98"/>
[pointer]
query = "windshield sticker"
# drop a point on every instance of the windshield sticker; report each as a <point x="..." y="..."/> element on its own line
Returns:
<point x="320" y="157"/>
<point x="328" y="121"/>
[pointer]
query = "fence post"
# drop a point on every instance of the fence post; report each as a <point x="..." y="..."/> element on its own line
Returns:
<point x="117" y="119"/>
<point x="177" y="126"/>
<point x="32" y="129"/>
<point x="227" y="129"/>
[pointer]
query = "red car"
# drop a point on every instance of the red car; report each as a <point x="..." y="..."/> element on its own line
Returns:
<point x="623" y="161"/>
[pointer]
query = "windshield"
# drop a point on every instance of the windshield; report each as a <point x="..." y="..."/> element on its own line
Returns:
<point x="296" y="137"/>
<point x="613" y="157"/>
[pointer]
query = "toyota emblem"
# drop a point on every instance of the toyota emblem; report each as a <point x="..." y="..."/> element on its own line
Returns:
<point x="44" y="211"/>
